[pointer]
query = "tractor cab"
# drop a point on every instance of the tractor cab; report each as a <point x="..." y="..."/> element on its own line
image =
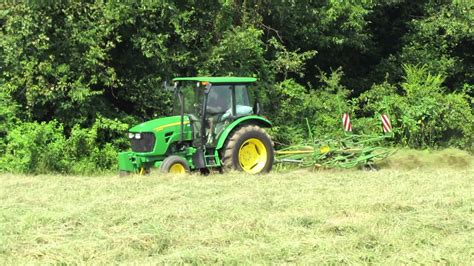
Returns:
<point x="216" y="124"/>
<point x="211" y="104"/>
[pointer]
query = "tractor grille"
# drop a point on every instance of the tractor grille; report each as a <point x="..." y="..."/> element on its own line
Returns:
<point x="145" y="144"/>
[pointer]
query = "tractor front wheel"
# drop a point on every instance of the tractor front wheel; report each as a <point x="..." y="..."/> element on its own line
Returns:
<point x="249" y="149"/>
<point x="174" y="165"/>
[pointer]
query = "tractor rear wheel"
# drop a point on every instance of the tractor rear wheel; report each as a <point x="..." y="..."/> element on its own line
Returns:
<point x="174" y="165"/>
<point x="249" y="149"/>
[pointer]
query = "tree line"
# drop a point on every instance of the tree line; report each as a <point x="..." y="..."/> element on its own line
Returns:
<point x="74" y="76"/>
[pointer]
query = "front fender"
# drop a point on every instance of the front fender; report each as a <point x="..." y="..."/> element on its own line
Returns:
<point x="252" y="119"/>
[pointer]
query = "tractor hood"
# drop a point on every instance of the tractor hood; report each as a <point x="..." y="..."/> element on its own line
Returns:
<point x="159" y="124"/>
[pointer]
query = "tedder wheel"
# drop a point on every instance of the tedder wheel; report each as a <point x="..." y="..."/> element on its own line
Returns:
<point x="174" y="165"/>
<point x="249" y="149"/>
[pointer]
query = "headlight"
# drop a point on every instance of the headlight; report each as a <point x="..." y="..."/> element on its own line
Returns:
<point x="138" y="136"/>
<point x="131" y="135"/>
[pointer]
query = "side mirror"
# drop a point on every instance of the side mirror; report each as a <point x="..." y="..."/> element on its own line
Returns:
<point x="165" y="86"/>
<point x="256" y="108"/>
<point x="170" y="88"/>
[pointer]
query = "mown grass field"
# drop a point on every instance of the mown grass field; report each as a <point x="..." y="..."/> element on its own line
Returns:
<point x="411" y="211"/>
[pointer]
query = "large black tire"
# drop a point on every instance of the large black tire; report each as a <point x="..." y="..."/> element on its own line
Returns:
<point x="249" y="149"/>
<point x="175" y="165"/>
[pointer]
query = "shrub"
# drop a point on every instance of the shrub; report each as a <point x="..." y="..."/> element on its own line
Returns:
<point x="42" y="147"/>
<point x="423" y="113"/>
<point x="322" y="108"/>
<point x="8" y="118"/>
<point x="35" y="148"/>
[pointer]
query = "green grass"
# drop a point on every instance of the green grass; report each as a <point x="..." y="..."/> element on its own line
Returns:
<point x="400" y="214"/>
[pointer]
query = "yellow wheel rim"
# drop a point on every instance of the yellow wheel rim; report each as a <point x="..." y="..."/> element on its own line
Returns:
<point x="253" y="156"/>
<point x="177" y="168"/>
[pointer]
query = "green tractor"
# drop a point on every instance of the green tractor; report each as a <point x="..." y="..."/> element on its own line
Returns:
<point x="215" y="126"/>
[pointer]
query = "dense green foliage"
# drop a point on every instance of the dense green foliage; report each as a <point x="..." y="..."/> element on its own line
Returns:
<point x="75" y="76"/>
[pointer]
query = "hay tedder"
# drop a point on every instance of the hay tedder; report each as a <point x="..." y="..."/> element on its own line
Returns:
<point x="217" y="125"/>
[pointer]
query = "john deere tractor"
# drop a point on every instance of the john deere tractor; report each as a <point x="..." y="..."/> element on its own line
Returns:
<point x="215" y="126"/>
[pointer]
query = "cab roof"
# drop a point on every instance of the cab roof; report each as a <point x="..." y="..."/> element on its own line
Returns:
<point x="216" y="80"/>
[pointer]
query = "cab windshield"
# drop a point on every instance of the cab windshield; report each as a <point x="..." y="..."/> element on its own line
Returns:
<point x="219" y="100"/>
<point x="225" y="102"/>
<point x="193" y="94"/>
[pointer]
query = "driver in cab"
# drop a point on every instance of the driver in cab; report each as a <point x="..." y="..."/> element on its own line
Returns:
<point x="218" y="103"/>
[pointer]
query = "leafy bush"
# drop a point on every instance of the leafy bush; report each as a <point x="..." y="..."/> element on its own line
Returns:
<point x="8" y="110"/>
<point x="35" y="148"/>
<point x="43" y="148"/>
<point x="240" y="52"/>
<point x="322" y="108"/>
<point x="423" y="114"/>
